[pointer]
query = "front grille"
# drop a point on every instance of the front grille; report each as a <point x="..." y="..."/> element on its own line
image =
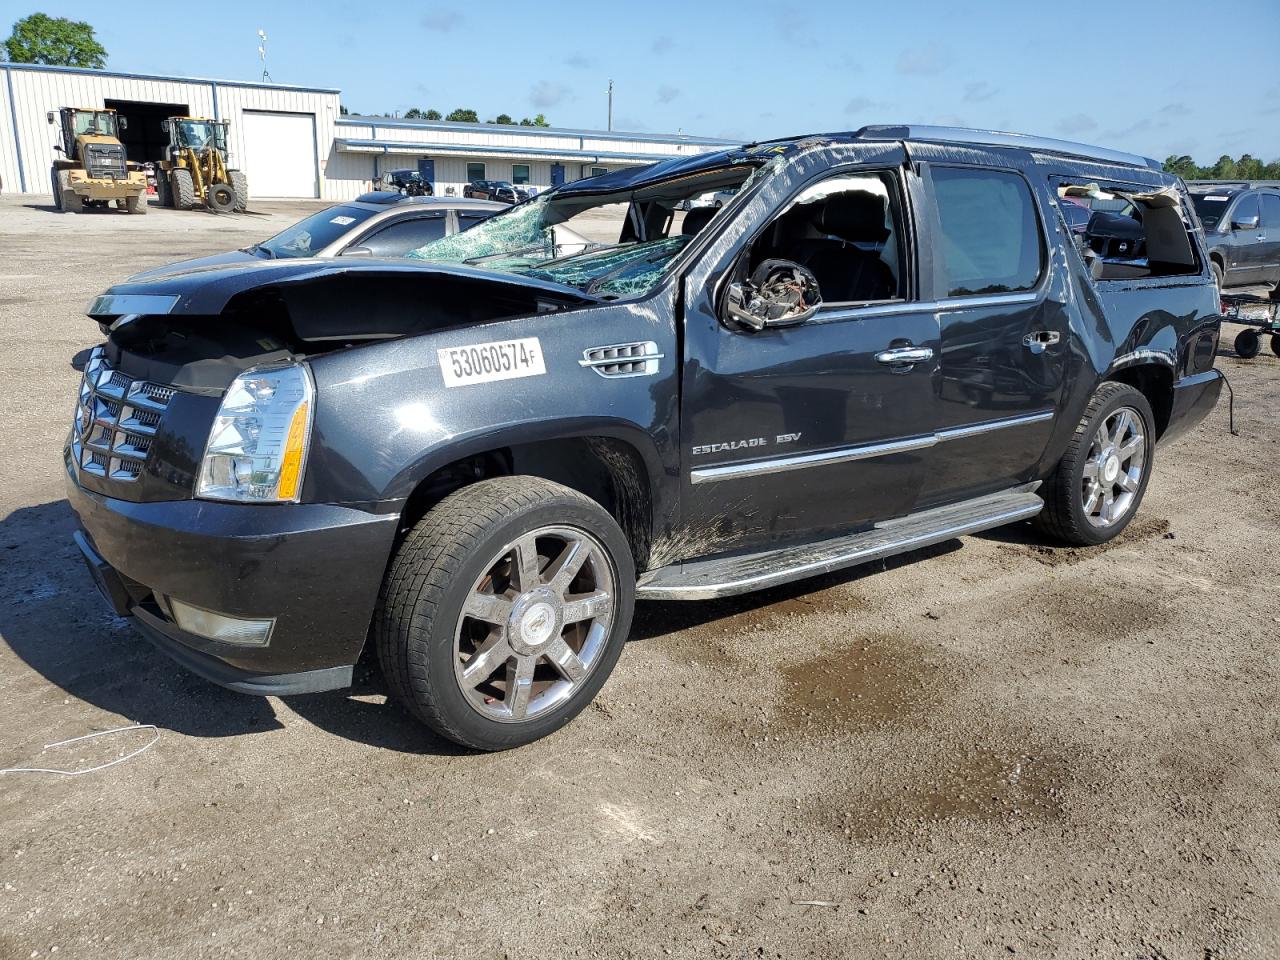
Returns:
<point x="105" y="160"/>
<point x="623" y="359"/>
<point x="116" y="420"/>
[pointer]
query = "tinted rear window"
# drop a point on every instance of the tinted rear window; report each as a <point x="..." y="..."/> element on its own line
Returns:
<point x="991" y="240"/>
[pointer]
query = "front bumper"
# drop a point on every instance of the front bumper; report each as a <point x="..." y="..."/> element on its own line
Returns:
<point x="315" y="568"/>
<point x="1193" y="399"/>
<point x="107" y="188"/>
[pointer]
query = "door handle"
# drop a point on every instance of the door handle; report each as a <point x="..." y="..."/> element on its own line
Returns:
<point x="1037" y="342"/>
<point x="904" y="356"/>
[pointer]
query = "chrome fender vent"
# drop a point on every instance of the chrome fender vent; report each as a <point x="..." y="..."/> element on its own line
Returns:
<point x="116" y="420"/>
<point x="623" y="359"/>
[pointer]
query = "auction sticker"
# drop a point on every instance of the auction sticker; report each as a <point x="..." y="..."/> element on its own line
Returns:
<point x="487" y="362"/>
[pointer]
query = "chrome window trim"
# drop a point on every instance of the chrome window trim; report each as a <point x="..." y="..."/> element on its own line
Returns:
<point x="760" y="468"/>
<point x="928" y="306"/>
<point x="118" y="304"/>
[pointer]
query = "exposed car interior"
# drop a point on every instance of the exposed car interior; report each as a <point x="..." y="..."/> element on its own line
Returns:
<point x="844" y="231"/>
<point x="1129" y="236"/>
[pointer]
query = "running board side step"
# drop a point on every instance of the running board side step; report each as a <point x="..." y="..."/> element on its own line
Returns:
<point x="742" y="573"/>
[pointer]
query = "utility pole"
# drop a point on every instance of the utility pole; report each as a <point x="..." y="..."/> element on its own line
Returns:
<point x="262" y="55"/>
<point x="610" y="127"/>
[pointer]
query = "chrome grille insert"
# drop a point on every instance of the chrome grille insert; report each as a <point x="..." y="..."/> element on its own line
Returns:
<point x="116" y="420"/>
<point x="623" y="359"/>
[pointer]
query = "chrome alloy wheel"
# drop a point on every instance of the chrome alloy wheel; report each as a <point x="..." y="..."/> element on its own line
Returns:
<point x="1113" y="469"/>
<point x="535" y="624"/>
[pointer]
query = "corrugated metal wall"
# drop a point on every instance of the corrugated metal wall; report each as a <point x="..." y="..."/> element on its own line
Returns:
<point x="341" y="175"/>
<point x="36" y="92"/>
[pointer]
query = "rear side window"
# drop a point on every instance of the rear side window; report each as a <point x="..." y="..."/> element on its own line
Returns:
<point x="1270" y="210"/>
<point x="991" y="241"/>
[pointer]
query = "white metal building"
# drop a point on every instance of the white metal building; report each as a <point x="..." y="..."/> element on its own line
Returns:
<point x="293" y="142"/>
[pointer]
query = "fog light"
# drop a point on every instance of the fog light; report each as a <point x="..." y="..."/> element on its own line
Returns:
<point x="220" y="627"/>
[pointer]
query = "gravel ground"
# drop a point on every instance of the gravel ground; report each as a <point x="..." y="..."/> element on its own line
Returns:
<point x="1004" y="749"/>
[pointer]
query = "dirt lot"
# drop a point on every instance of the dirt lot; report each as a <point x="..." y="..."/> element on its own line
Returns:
<point x="1004" y="749"/>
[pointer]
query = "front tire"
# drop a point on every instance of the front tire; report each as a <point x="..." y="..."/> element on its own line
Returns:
<point x="1275" y="344"/>
<point x="183" y="187"/>
<point x="504" y="611"/>
<point x="1099" y="483"/>
<point x="240" y="184"/>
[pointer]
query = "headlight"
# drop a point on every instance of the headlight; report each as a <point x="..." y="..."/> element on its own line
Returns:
<point x="258" y="445"/>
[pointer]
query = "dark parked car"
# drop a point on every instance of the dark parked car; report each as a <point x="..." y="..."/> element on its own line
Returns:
<point x="378" y="224"/>
<point x="1242" y="231"/>
<point x="500" y="190"/>
<point x="408" y="182"/>
<point x="478" y="458"/>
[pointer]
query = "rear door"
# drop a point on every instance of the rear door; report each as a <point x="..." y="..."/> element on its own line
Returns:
<point x="1245" y="247"/>
<point x="1269" y="260"/>
<point x="1003" y="327"/>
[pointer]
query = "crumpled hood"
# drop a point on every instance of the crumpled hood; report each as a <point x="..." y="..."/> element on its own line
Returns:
<point x="205" y="287"/>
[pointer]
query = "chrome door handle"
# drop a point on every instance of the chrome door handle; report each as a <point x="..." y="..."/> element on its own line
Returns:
<point x="905" y="355"/>
<point x="1037" y="341"/>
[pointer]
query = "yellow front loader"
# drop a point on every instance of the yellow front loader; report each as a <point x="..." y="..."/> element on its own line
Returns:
<point x="195" y="171"/>
<point x="93" y="170"/>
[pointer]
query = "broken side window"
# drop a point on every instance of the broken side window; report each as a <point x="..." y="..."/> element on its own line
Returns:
<point x="846" y="231"/>
<point x="1130" y="233"/>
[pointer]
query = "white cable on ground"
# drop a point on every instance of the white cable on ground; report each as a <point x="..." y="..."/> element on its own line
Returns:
<point x="90" y="736"/>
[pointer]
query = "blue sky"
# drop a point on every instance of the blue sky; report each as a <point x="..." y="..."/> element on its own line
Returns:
<point x="1148" y="77"/>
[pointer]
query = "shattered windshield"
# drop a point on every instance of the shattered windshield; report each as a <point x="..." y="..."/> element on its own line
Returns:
<point x="609" y="245"/>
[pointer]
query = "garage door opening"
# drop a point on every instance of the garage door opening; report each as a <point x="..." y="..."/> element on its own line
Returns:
<point x="145" y="137"/>
<point x="280" y="153"/>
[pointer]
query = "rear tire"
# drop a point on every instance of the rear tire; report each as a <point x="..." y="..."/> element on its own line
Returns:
<point x="240" y="184"/>
<point x="1248" y="344"/>
<point x="72" y="202"/>
<point x="1275" y="344"/>
<point x="57" y="188"/>
<point x="184" y="188"/>
<point x="138" y="204"/>
<point x="1109" y="457"/>
<point x="504" y="610"/>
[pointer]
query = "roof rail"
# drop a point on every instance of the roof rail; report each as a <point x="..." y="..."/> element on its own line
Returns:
<point x="1221" y="184"/>
<point x="998" y="138"/>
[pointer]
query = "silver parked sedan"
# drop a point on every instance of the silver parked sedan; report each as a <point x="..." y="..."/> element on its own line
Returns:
<point x="380" y="224"/>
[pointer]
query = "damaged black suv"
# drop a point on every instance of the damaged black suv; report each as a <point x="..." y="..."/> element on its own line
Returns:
<point x="477" y="459"/>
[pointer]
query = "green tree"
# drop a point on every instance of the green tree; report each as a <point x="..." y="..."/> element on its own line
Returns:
<point x="1224" y="169"/>
<point x="464" y="116"/>
<point x="56" y="41"/>
<point x="538" y="121"/>
<point x="505" y="119"/>
<point x="434" y="115"/>
<point x="343" y="111"/>
<point x="1182" y="166"/>
<point x="414" y="114"/>
<point x="1248" y="168"/>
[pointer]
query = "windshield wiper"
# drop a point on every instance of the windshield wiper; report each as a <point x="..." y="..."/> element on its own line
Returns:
<point x="506" y="254"/>
<point x="259" y="248"/>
